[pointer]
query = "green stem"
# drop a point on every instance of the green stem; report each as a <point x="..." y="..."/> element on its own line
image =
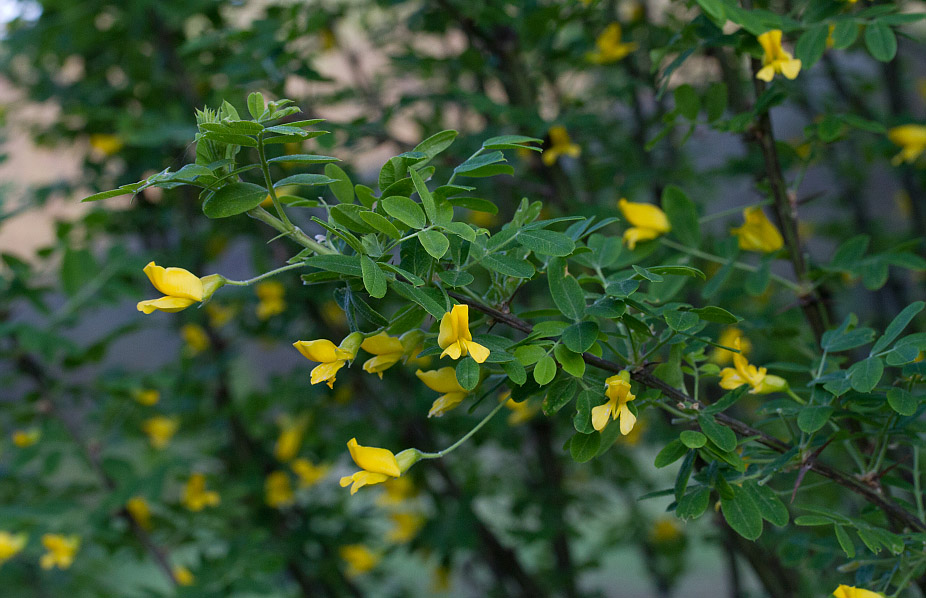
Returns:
<point x="295" y="233"/>
<point x="466" y="437"/>
<point x="265" y="168"/>
<point x="454" y="175"/>
<point x="917" y="492"/>
<point x="250" y="281"/>
<point x="796" y="398"/>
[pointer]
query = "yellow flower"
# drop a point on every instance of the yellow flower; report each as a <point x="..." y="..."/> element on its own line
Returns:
<point x="743" y="373"/>
<point x="138" y="508"/>
<point x="105" y="144"/>
<point x="405" y="527"/>
<point x="24" y="438"/>
<point x="455" y="338"/>
<point x="617" y="389"/>
<point x="291" y="432"/>
<point x="729" y="338"/>
<point x="665" y="529"/>
<point x="61" y="551"/>
<point x="359" y="559"/>
<point x="776" y="60"/>
<point x="376" y="465"/>
<point x="646" y="220"/>
<point x="329" y="357"/>
<point x="218" y="314"/>
<point x="853" y="592"/>
<point x="444" y="381"/>
<point x="388" y="350"/>
<point x="181" y="288"/>
<point x="830" y="41"/>
<point x="270" y="294"/>
<point x="397" y="491"/>
<point x="636" y="435"/>
<point x="195" y="337"/>
<point x="11" y="545"/>
<point x="147" y="396"/>
<point x="308" y="473"/>
<point x="609" y="47"/>
<point x="329" y="40"/>
<point x="278" y="490"/>
<point x="196" y="497"/>
<point x="757" y="232"/>
<point x="912" y="141"/>
<point x="520" y="412"/>
<point x="160" y="430"/>
<point x="183" y="576"/>
<point x="560" y="145"/>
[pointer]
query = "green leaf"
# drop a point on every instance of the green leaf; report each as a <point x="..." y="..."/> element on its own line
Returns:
<point x="692" y="439"/>
<point x="545" y="370"/>
<point x="381" y="224"/>
<point x="405" y="210"/>
<point x="342" y="188"/>
<point x="546" y="242"/>
<point x="681" y="320"/>
<point x="391" y="172"/>
<point x="723" y="437"/>
<point x="687" y="101"/>
<point x="845" y="33"/>
<point x="516" y="372"/>
<point x="373" y="278"/>
<point x="305" y="179"/>
<point x="484" y="165"/>
<point x="676" y="270"/>
<point x="580" y="337"/>
<point x="255" y="104"/>
<point x="812" y="520"/>
<point x="565" y="290"/>
<point x="348" y="216"/>
<point x="468" y="373"/>
<point x="742" y="514"/>
<point x="474" y="203"/>
<point x="670" y="453"/>
<point x="715" y="101"/>
<point x="845" y="542"/>
<point x="434" y="242"/>
<point x="572" y="363"/>
<point x="435" y="144"/>
<point x="902" y="401"/>
<point x="454" y="278"/>
<point x="77" y="268"/>
<point x="683" y="216"/>
<point x="813" y="417"/>
<point x="770" y="506"/>
<point x="508" y="265"/>
<point x="303" y="159"/>
<point x="583" y="447"/>
<point x="715" y="314"/>
<point x="693" y="504"/>
<point x="529" y="354"/>
<point x="583" y="417"/>
<point x="866" y="374"/>
<point x="881" y="42"/>
<point x="422" y="297"/>
<point x="559" y="395"/>
<point x="897" y="325"/>
<point x="233" y="199"/>
<point x="348" y="265"/>
<point x="811" y="45"/>
<point x="511" y="142"/>
<point x="427" y="200"/>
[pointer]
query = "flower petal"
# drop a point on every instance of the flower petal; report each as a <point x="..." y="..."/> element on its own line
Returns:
<point x="446" y="403"/>
<point x="175" y="282"/>
<point x="382" y="344"/>
<point x="478" y="352"/>
<point x="443" y="380"/>
<point x="375" y="460"/>
<point x="321" y="350"/>
<point x="167" y="304"/>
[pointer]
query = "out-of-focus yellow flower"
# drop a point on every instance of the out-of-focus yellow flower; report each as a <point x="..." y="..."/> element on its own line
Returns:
<point x="270" y="295"/>
<point x="387" y="351"/>
<point x="196" y="497"/>
<point x="609" y="47"/>
<point x="776" y="59"/>
<point x="617" y="389"/>
<point x="912" y="141"/>
<point x="830" y="41"/>
<point x="729" y="338"/>
<point x="396" y="492"/>
<point x="441" y="579"/>
<point x="308" y="473"/>
<point x="106" y="144"/>
<point x="147" y="396"/>
<point x="333" y="315"/>
<point x="343" y="395"/>
<point x="757" y="232"/>
<point x="183" y="576"/>
<point x="329" y="40"/>
<point x="560" y="145"/>
<point x="921" y="88"/>
<point x="278" y="490"/>
<point x="138" y="508"/>
<point x="405" y="527"/>
<point x="359" y="559"/>
<point x="181" y="288"/>
<point x="852" y="592"/>
<point x="218" y="314"/>
<point x="291" y="432"/>
<point x="11" y="545"/>
<point x="520" y="412"/>
<point x="195" y="338"/>
<point x="664" y="530"/>
<point x="160" y="430"/>
<point x="455" y="338"/>
<point x="636" y="435"/>
<point x="376" y="465"/>
<point x="443" y="381"/>
<point x="742" y="372"/>
<point x="646" y="220"/>
<point x="330" y="358"/>
<point x="24" y="438"/>
<point x="484" y="219"/>
<point x="61" y="551"/>
<point x="904" y="203"/>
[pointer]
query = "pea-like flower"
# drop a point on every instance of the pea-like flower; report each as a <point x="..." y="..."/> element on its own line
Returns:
<point x="728" y="338"/>
<point x="455" y="338"/>
<point x="610" y="47"/>
<point x="290" y="439"/>
<point x="560" y="145"/>
<point x="270" y="299"/>
<point x="11" y="545"/>
<point x="147" y="396"/>
<point x="912" y="141"/>
<point x="26" y="438"/>
<point x="386" y="350"/>
<point x="844" y="591"/>
<point x="405" y="527"/>
<point x="138" y="508"/>
<point x="617" y="389"/>
<point x="776" y="59"/>
<point x="278" y="490"/>
<point x="443" y="381"/>
<point x="646" y="220"/>
<point x="308" y="473"/>
<point x="160" y="430"/>
<point x="359" y="559"/>
<point x="757" y="232"/>
<point x="61" y="551"/>
<point x="742" y="372"/>
<point x="196" y="497"/>
<point x="376" y="465"/>
<point x="181" y="288"/>
<point x="330" y="358"/>
<point x="183" y="576"/>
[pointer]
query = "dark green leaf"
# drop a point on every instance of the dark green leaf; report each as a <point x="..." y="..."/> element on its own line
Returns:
<point x="580" y="337"/>
<point x="341" y="186"/>
<point x="742" y="514"/>
<point x="405" y="210"/>
<point x="435" y="243"/>
<point x="468" y="373"/>
<point x="683" y="216"/>
<point x="584" y="447"/>
<point x="723" y="437"/>
<point x="670" y="453"/>
<point x="234" y="199"/>
<point x="373" y="278"/>
<point x="866" y="374"/>
<point x="881" y="41"/>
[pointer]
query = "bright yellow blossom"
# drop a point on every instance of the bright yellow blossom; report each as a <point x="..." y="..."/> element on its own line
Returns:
<point x="291" y="432"/>
<point x="11" y="545"/>
<point x="376" y="465"/>
<point x="520" y="412"/>
<point x="776" y="59"/>
<point x="609" y="47"/>
<point x="25" y="438"/>
<point x="196" y="497"/>
<point x="278" y="490"/>
<point x="308" y="473"/>
<point x="329" y="357"/>
<point x="61" y="551"/>
<point x="617" y="389"/>
<point x="444" y="381"/>
<point x="105" y="143"/>
<point x="852" y="592"/>
<point x="359" y="559"/>
<point x="195" y="337"/>
<point x="455" y="338"/>
<point x="560" y="145"/>
<point x="405" y="527"/>
<point x="160" y="430"/>
<point x="138" y="508"/>
<point x="742" y="372"/>
<point x="912" y="141"/>
<point x="181" y="288"/>
<point x="729" y="337"/>
<point x="270" y="295"/>
<point x="147" y="396"/>
<point x="757" y="232"/>
<point x="387" y="351"/>
<point x="646" y="220"/>
<point x="183" y="576"/>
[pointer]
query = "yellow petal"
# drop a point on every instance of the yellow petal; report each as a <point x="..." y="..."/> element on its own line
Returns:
<point x="791" y="68"/>
<point x="601" y="415"/>
<point x="634" y="235"/>
<point x="325" y="372"/>
<point x="321" y="350"/>
<point x="454" y="351"/>
<point x="628" y="419"/>
<point x="757" y="232"/>
<point x="374" y="460"/>
<point x="478" y="352"/>
<point x="175" y="282"/>
<point x="460" y="313"/>
<point x="381" y="344"/>
<point x="645" y="215"/>
<point x="766" y="74"/>
<point x="549" y="156"/>
<point x="448" y="334"/>
<point x="167" y="304"/>
<point x="443" y="380"/>
<point x="446" y="403"/>
<point x="381" y="363"/>
<point x="771" y="42"/>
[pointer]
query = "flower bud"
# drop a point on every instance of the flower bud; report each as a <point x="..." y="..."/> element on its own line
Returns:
<point x="771" y="384"/>
<point x="407" y="458"/>
<point x="211" y="284"/>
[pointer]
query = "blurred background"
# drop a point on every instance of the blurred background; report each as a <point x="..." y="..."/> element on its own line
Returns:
<point x="96" y="94"/>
